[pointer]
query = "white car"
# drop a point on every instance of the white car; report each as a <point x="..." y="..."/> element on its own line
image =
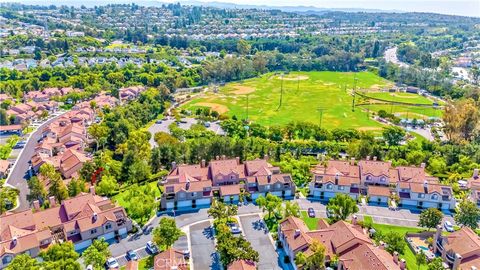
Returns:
<point x="448" y="226"/>
<point x="112" y="263"/>
<point x="151" y="247"/>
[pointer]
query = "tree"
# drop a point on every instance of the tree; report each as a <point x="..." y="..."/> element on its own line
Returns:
<point x="393" y="135"/>
<point x="57" y="187"/>
<point x="75" y="187"/>
<point x="37" y="190"/>
<point x="435" y="264"/>
<point x="60" y="256"/>
<point x="468" y="214"/>
<point x="316" y="260"/>
<point x="395" y="242"/>
<point x="243" y="47"/>
<point x="420" y="259"/>
<point x="461" y="119"/>
<point x="430" y="218"/>
<point x="270" y="203"/>
<point x="107" y="186"/>
<point x="341" y="206"/>
<point x="219" y="210"/>
<point x="96" y="254"/>
<point x="166" y="233"/>
<point x="231" y="248"/>
<point x="291" y="209"/>
<point x="23" y="261"/>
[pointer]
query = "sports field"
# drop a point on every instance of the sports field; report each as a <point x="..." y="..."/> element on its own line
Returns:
<point x="306" y="96"/>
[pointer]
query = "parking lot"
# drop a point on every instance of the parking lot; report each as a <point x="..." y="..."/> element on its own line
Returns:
<point x="203" y="253"/>
<point x="186" y="123"/>
<point x="256" y="233"/>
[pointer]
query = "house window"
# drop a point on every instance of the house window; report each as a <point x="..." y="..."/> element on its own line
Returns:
<point x="169" y="189"/>
<point x="267" y="187"/>
<point x="329" y="186"/>
<point x="369" y="178"/>
<point x="194" y="194"/>
<point x="181" y="195"/>
<point x="434" y="197"/>
<point x="421" y="195"/>
<point x="7" y="259"/>
<point x="383" y="179"/>
<point x="93" y="231"/>
<point x="341" y="187"/>
<point x="108" y="226"/>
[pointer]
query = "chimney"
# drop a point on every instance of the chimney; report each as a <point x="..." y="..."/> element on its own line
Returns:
<point x="476" y="173"/>
<point x="297" y="233"/>
<point x="265" y="157"/>
<point x="203" y="163"/>
<point x="368" y="157"/>
<point x="403" y="264"/>
<point x="422" y="165"/>
<point x="238" y="160"/>
<point x="456" y="262"/>
<point x="94" y="216"/>
<point x="354" y="219"/>
<point x="269" y="178"/>
<point x="336" y="178"/>
<point x="425" y="186"/>
<point x="381" y="245"/>
<point x="374" y="158"/>
<point x="352" y="161"/>
<point x="14" y="241"/>
<point x="395" y="257"/>
<point x="92" y="190"/>
<point x="174" y="165"/>
<point x="36" y="205"/>
<point x="52" y="201"/>
<point x="224" y="157"/>
<point x="217" y="157"/>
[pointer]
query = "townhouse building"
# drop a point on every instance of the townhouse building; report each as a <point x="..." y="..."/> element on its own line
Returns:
<point x="380" y="181"/>
<point x="473" y="185"/>
<point x="80" y="219"/>
<point x="196" y="185"/>
<point x="460" y="249"/>
<point x="346" y="241"/>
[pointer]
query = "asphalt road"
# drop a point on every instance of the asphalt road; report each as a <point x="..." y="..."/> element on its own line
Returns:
<point x="203" y="251"/>
<point x="256" y="233"/>
<point x="19" y="173"/>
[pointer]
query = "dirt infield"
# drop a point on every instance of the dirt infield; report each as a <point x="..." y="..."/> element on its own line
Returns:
<point x="221" y="109"/>
<point x="369" y="128"/>
<point x="243" y="90"/>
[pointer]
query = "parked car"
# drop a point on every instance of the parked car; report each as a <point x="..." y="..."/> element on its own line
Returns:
<point x="151" y="248"/>
<point x="311" y="212"/>
<point x="186" y="254"/>
<point x="448" y="226"/>
<point x="112" y="263"/>
<point x="207" y="124"/>
<point x="234" y="228"/>
<point x="158" y="122"/>
<point x="132" y="255"/>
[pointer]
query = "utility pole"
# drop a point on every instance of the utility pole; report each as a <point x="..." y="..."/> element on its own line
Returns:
<point x="281" y="92"/>
<point x="247" y="107"/>
<point x="320" y="110"/>
<point x="354" y="89"/>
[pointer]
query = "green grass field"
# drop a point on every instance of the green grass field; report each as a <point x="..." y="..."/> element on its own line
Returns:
<point x="303" y="94"/>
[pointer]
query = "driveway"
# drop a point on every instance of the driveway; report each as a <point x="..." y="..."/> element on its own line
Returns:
<point x="203" y="253"/>
<point x="257" y="234"/>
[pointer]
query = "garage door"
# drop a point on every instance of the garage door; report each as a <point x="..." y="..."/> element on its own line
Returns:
<point x="329" y="194"/>
<point x="316" y="193"/>
<point x="83" y="245"/>
<point x="409" y="202"/>
<point x="277" y="193"/>
<point x="203" y="202"/>
<point x="184" y="204"/>
<point x="122" y="231"/>
<point x="430" y="205"/>
<point x="288" y="193"/>
<point x="170" y="205"/>
<point x="108" y="236"/>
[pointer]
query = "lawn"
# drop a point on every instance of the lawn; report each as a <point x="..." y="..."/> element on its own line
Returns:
<point x="307" y="96"/>
<point x="408" y="255"/>
<point x="310" y="222"/>
<point x="122" y="198"/>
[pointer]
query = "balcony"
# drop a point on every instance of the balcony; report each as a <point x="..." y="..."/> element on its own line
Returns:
<point x="404" y="195"/>
<point x="439" y="244"/>
<point x="450" y="257"/>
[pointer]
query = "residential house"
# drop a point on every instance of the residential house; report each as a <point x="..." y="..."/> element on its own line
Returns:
<point x="196" y="185"/>
<point x="129" y="93"/>
<point x="380" y="181"/>
<point x="473" y="185"/>
<point x="4" y="168"/>
<point x="346" y="241"/>
<point x="170" y="259"/>
<point x="460" y="249"/>
<point x="80" y="219"/>
<point x="242" y="265"/>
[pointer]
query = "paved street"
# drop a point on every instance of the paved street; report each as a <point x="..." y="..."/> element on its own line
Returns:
<point x="203" y="253"/>
<point x="256" y="233"/>
<point x="19" y="172"/>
